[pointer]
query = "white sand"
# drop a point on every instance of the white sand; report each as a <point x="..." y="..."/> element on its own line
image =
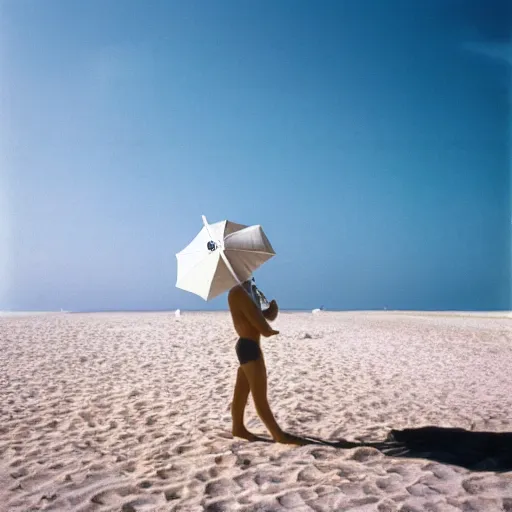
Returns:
<point x="131" y="412"/>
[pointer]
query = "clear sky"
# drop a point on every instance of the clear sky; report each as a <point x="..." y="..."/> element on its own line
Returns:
<point x="371" y="140"/>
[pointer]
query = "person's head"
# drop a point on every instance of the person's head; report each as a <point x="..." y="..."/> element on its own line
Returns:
<point x="248" y="284"/>
<point x="250" y="287"/>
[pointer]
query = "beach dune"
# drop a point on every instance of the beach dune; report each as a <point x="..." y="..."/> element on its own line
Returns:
<point x="132" y="412"/>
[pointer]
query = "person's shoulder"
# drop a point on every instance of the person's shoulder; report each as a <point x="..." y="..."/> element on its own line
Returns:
<point x="235" y="293"/>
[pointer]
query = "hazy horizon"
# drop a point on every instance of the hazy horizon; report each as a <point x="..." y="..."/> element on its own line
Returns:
<point x="225" y="309"/>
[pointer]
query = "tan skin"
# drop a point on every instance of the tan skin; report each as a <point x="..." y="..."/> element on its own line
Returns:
<point x="250" y="322"/>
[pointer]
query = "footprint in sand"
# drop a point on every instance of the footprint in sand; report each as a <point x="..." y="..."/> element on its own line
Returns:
<point x="387" y="505"/>
<point x="218" y="506"/>
<point x="221" y="487"/>
<point x="295" y="500"/>
<point x="151" y="420"/>
<point x="162" y="474"/>
<point x="225" y="461"/>
<point x="180" y="450"/>
<point x="174" y="493"/>
<point x="205" y="475"/>
<point x="389" y="484"/>
<point x="162" y="456"/>
<point x="20" y="473"/>
<point x="507" y="504"/>
<point x="309" y="474"/>
<point x="130" y="467"/>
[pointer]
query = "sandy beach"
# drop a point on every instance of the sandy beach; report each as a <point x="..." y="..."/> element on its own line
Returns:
<point x="131" y="412"/>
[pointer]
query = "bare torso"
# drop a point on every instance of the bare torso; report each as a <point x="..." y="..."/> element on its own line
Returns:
<point x="240" y="316"/>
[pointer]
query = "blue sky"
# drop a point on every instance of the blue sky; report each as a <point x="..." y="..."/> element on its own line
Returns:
<point x="370" y="139"/>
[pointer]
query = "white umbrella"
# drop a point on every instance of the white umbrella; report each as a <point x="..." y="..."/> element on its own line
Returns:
<point x="221" y="256"/>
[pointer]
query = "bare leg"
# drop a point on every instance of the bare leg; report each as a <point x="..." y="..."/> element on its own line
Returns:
<point x="256" y="374"/>
<point x="240" y="397"/>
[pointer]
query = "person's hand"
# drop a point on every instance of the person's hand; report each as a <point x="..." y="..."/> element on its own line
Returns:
<point x="272" y="311"/>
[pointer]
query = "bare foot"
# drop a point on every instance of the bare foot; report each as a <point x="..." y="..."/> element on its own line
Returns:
<point x="244" y="434"/>
<point x="285" y="438"/>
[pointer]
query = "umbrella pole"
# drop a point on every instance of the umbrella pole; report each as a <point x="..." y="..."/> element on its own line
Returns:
<point x="207" y="227"/>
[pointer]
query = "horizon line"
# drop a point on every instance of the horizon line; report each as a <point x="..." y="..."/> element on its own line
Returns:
<point x="292" y="310"/>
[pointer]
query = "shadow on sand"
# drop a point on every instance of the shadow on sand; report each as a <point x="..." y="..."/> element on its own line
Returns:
<point x="477" y="451"/>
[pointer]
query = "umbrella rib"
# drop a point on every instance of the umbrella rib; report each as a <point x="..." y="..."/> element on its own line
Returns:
<point x="248" y="250"/>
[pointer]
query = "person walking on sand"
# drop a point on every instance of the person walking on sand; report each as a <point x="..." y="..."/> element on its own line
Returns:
<point x="250" y="323"/>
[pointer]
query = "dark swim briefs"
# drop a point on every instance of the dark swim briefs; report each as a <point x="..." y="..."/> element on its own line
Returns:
<point x="247" y="350"/>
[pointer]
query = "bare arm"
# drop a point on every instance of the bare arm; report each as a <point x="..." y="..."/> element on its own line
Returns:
<point x="252" y="312"/>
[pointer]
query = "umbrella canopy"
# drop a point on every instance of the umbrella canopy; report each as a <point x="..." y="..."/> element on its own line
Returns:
<point x="221" y="256"/>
